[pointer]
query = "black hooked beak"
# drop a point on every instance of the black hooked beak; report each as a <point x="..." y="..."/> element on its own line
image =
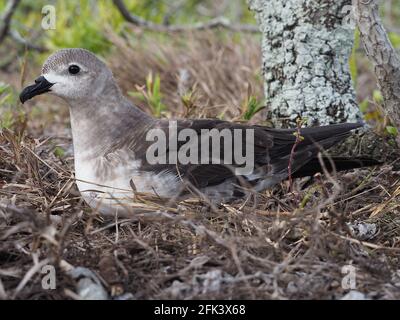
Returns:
<point x="41" y="86"/>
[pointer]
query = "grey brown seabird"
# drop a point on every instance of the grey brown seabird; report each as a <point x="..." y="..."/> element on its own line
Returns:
<point x="110" y="145"/>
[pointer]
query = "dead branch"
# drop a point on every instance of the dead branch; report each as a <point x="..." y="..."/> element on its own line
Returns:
<point x="382" y="54"/>
<point x="5" y="21"/>
<point x="5" y="18"/>
<point x="296" y="143"/>
<point x="218" y="22"/>
<point x="16" y="36"/>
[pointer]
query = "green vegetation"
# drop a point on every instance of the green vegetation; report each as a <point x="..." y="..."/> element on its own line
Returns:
<point x="7" y="101"/>
<point x="83" y="23"/>
<point x="251" y="107"/>
<point x="151" y="94"/>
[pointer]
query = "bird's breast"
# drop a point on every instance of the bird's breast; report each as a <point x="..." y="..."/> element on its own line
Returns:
<point x="110" y="181"/>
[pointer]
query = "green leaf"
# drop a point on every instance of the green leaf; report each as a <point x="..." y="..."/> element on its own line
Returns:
<point x="151" y="94"/>
<point x="377" y="96"/>
<point x="59" y="152"/>
<point x="353" y="58"/>
<point x="392" y="131"/>
<point x="395" y="39"/>
<point x="138" y="95"/>
<point x="364" y="106"/>
<point x="251" y="108"/>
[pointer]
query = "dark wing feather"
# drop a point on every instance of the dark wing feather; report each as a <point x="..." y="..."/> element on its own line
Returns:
<point x="272" y="149"/>
<point x="340" y="164"/>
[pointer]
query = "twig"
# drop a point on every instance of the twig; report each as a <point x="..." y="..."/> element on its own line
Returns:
<point x="28" y="276"/>
<point x="5" y="19"/>
<point x="332" y="178"/>
<point x="364" y="243"/>
<point x="299" y="138"/>
<point x="218" y="22"/>
<point x="3" y="293"/>
<point x="16" y="36"/>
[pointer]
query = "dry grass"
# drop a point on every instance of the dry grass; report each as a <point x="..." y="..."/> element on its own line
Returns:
<point x="220" y="70"/>
<point x="282" y="245"/>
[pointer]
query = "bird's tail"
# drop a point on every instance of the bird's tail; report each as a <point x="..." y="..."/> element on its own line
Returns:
<point x="339" y="164"/>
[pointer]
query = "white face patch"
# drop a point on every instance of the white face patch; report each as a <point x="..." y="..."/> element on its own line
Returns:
<point x="63" y="86"/>
<point x="54" y="78"/>
<point x="67" y="86"/>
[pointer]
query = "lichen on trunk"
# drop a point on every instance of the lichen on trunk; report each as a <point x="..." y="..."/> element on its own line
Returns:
<point x="306" y="46"/>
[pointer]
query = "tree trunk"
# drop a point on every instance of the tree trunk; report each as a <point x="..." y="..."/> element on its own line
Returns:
<point x="306" y="46"/>
<point x="382" y="54"/>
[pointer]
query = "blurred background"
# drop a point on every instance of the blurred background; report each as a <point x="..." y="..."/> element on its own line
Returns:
<point x="208" y="73"/>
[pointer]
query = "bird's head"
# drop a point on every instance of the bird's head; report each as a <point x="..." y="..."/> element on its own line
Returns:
<point x="71" y="74"/>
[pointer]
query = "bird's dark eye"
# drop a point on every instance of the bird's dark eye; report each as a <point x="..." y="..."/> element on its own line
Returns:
<point x="74" y="69"/>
